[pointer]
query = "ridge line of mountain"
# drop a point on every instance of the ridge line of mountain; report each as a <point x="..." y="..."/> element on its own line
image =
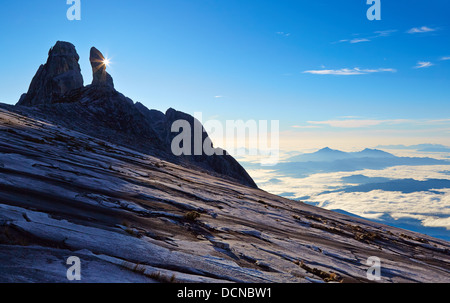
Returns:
<point x="57" y="94"/>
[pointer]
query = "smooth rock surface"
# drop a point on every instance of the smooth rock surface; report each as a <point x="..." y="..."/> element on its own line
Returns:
<point x="66" y="193"/>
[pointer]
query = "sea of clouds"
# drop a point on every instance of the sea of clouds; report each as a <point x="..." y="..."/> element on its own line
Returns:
<point x="426" y="211"/>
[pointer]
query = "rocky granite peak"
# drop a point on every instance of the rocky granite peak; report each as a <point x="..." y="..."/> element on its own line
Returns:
<point x="99" y="74"/>
<point x="59" y="75"/>
<point x="57" y="94"/>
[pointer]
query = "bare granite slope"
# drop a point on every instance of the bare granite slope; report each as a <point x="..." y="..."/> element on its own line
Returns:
<point x="131" y="217"/>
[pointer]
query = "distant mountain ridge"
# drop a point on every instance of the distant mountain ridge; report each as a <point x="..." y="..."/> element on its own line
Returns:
<point x="419" y="147"/>
<point x="329" y="160"/>
<point x="328" y="154"/>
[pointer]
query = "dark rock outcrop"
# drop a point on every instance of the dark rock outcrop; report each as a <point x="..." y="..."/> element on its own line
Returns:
<point x="61" y="74"/>
<point x="99" y="74"/>
<point x="57" y="95"/>
<point x="219" y="161"/>
<point x="104" y="113"/>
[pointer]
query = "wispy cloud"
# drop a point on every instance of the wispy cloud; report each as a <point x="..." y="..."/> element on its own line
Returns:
<point x="445" y="58"/>
<point x="219" y="97"/>
<point x="359" y="40"/>
<point x="357" y="123"/>
<point x="385" y="33"/>
<point x="369" y="37"/>
<point x="283" y="34"/>
<point x="349" y="71"/>
<point x="419" y="30"/>
<point x="438" y="121"/>
<point x="354" y="122"/>
<point x="305" y="126"/>
<point x="423" y="64"/>
<point x="349" y="117"/>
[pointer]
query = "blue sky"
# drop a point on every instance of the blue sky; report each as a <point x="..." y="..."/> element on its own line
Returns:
<point x="320" y="67"/>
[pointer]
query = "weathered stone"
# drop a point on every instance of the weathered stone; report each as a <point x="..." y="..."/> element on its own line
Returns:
<point x="99" y="74"/>
<point x="58" y="76"/>
<point x="99" y="110"/>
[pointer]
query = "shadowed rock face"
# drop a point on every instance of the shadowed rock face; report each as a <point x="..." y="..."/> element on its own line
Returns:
<point x="101" y="111"/>
<point x="58" y="76"/>
<point x="220" y="162"/>
<point x="100" y="76"/>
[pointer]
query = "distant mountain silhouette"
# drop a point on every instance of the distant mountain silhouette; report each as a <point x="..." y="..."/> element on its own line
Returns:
<point x="329" y="160"/>
<point x="327" y="154"/>
<point x="372" y="153"/>
<point x="419" y="147"/>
